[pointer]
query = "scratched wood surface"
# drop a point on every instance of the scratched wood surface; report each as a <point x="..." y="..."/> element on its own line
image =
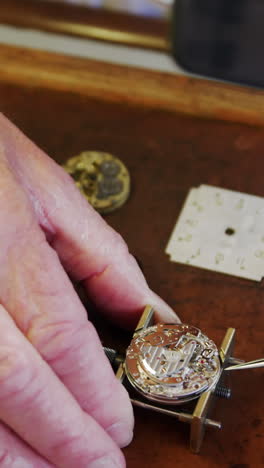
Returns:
<point x="166" y="152"/>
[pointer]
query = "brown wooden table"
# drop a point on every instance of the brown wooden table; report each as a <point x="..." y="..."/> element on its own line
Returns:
<point x="171" y="134"/>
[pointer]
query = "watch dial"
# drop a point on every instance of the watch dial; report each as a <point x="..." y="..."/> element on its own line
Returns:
<point x="172" y="363"/>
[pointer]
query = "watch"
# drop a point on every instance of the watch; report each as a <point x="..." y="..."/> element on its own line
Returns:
<point x="175" y="369"/>
<point x="172" y="363"/>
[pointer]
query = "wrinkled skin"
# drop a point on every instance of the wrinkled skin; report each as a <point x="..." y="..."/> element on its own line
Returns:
<point x="60" y="403"/>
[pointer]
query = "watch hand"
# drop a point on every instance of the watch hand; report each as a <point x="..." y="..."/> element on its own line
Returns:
<point x="247" y="365"/>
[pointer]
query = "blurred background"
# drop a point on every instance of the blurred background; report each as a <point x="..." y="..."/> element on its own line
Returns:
<point x="140" y="7"/>
<point x="127" y="32"/>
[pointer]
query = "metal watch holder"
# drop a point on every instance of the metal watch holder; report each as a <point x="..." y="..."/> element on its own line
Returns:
<point x="196" y="412"/>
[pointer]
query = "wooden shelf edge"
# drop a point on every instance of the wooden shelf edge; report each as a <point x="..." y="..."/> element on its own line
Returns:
<point x="86" y="22"/>
<point x="133" y="86"/>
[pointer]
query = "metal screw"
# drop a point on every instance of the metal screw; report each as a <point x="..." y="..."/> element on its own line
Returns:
<point x="223" y="392"/>
<point x="111" y="354"/>
<point x="114" y="357"/>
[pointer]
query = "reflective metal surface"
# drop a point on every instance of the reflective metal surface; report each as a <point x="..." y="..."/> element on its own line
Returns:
<point x="172" y="363"/>
<point x="247" y="365"/>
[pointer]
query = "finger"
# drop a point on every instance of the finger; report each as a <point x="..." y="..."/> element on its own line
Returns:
<point x="14" y="453"/>
<point x="55" y="322"/>
<point x="88" y="248"/>
<point x="39" y="408"/>
<point x="46" y="308"/>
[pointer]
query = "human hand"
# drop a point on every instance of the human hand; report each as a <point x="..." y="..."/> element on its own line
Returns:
<point x="60" y="403"/>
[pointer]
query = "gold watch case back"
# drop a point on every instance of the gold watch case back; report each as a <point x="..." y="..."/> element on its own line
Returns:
<point x="172" y="363"/>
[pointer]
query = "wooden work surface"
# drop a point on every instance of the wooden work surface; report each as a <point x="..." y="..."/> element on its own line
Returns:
<point x="166" y="152"/>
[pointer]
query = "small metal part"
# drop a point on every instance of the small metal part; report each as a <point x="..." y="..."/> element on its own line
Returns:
<point x="114" y="357"/>
<point x="146" y="319"/>
<point x="227" y="346"/>
<point x="233" y="361"/>
<point x="181" y="416"/>
<point x="223" y="392"/>
<point x="102" y="178"/>
<point x="110" y="354"/>
<point x="207" y="399"/>
<point x="246" y="365"/>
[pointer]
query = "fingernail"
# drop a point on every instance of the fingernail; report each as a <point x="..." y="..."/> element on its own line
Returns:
<point x="105" y="462"/>
<point x="120" y="434"/>
<point x="173" y="315"/>
<point x="164" y="312"/>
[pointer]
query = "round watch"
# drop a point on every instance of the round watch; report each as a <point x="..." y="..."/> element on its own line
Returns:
<point x="102" y="178"/>
<point x="172" y="363"/>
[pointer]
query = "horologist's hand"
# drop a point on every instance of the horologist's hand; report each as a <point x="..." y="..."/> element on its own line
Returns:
<point x="60" y="403"/>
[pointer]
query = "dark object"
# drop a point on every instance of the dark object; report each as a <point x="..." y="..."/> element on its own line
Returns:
<point x="222" y="392"/>
<point x="114" y="357"/>
<point x="222" y="39"/>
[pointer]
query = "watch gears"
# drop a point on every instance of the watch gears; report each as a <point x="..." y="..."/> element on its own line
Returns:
<point x="172" y="363"/>
<point x="102" y="178"/>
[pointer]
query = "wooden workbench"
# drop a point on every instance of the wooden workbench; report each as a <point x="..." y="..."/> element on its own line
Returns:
<point x="173" y="133"/>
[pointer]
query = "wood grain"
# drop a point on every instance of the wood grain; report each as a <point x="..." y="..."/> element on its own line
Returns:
<point x="56" y="102"/>
<point x="114" y="83"/>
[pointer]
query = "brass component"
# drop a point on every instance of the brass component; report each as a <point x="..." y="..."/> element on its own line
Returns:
<point x="102" y="178"/>
<point x="227" y="346"/>
<point x="121" y="374"/>
<point x="146" y="319"/>
<point x="198" y="420"/>
<point x="206" y="400"/>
